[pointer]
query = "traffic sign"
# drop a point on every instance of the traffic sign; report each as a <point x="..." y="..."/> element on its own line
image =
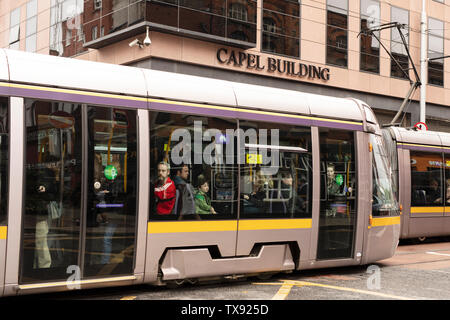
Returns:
<point x="421" y="126"/>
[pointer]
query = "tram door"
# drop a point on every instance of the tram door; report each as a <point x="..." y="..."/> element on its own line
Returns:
<point x="337" y="222"/>
<point x="80" y="192"/>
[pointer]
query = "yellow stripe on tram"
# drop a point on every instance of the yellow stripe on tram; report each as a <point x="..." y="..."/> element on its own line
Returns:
<point x="275" y="224"/>
<point x="427" y="209"/>
<point x="386" y="221"/>
<point x="191" y="226"/>
<point x="3" y="233"/>
<point x="212" y="226"/>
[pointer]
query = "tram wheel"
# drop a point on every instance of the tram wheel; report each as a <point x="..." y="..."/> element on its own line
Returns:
<point x="421" y="239"/>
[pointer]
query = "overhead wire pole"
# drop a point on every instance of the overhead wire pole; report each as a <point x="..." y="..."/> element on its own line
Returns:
<point x="423" y="62"/>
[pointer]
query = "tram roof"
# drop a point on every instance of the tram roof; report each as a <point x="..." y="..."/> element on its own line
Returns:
<point x="69" y="73"/>
<point x="421" y="137"/>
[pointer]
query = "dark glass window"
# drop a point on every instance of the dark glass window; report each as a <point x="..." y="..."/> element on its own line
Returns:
<point x="276" y="176"/>
<point x="338" y="194"/>
<point x="4" y="160"/>
<point x="70" y="25"/>
<point x="435" y="50"/>
<point x="281" y="27"/>
<point x="398" y="49"/>
<point x="337" y="32"/>
<point x="383" y="185"/>
<point x="224" y="19"/>
<point x="426" y="179"/>
<point x="447" y="180"/>
<point x="193" y="167"/>
<point x="112" y="191"/>
<point x="51" y="220"/>
<point x="369" y="45"/>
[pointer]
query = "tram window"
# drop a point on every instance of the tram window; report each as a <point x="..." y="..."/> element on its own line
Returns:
<point x="338" y="194"/>
<point x="193" y="167"/>
<point x="4" y="159"/>
<point x="447" y="180"/>
<point x="51" y="220"/>
<point x="383" y="197"/>
<point x="426" y="179"/>
<point x="112" y="187"/>
<point x="276" y="173"/>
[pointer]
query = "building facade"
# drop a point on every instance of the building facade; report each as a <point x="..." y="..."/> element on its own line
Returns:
<point x="330" y="47"/>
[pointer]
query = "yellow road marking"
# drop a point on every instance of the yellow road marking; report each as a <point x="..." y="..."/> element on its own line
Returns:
<point x="283" y="291"/>
<point x="129" y="298"/>
<point x="313" y="284"/>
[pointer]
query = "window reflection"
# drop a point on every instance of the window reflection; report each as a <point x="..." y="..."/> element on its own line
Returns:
<point x="435" y="50"/>
<point x="4" y="160"/>
<point x="337" y="33"/>
<point x="369" y="45"/>
<point x="51" y="221"/>
<point x="194" y="170"/>
<point x="281" y="27"/>
<point x="337" y="194"/>
<point x="426" y="179"/>
<point x="275" y="182"/>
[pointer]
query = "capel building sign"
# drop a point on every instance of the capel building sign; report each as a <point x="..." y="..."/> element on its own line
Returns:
<point x="254" y="61"/>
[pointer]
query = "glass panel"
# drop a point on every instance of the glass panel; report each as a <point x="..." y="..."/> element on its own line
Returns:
<point x="383" y="198"/>
<point x="290" y="7"/>
<point x="202" y="22"/>
<point x="338" y="19"/>
<point x="396" y="71"/>
<point x="282" y="45"/>
<point x="447" y="180"/>
<point x="338" y="6"/>
<point x="426" y="179"/>
<point x="112" y="187"/>
<point x="51" y="221"/>
<point x="337" y="195"/>
<point x="242" y="31"/>
<point x="30" y="43"/>
<point x="276" y="176"/>
<point x="162" y="13"/>
<point x="15" y="17"/>
<point x="193" y="167"/>
<point x="214" y="7"/>
<point x="31" y="26"/>
<point x="32" y="7"/>
<point x="285" y="25"/>
<point x="4" y="160"/>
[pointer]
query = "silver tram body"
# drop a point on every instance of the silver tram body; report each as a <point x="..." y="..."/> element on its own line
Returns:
<point x="59" y="108"/>
<point x="421" y="160"/>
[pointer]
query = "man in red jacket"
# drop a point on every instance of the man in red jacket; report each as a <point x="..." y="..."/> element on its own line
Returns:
<point x="165" y="191"/>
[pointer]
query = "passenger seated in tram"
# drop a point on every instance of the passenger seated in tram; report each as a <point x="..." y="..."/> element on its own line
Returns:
<point x="202" y="199"/>
<point x="448" y="191"/>
<point x="434" y="194"/>
<point x="253" y="202"/>
<point x="164" y="190"/>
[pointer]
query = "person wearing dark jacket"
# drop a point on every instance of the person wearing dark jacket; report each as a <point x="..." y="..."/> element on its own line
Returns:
<point x="41" y="190"/>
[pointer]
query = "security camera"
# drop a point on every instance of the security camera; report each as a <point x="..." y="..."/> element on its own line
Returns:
<point x="135" y="42"/>
<point x="147" y="40"/>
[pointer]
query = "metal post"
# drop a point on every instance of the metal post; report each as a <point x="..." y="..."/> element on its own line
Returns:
<point x="423" y="62"/>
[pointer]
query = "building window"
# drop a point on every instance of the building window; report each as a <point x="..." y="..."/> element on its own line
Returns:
<point x="281" y="27"/>
<point x="369" y="45"/>
<point x="435" y="50"/>
<point x="31" y="26"/>
<point x="398" y="49"/>
<point x="14" y="29"/>
<point x="337" y="32"/>
<point x="66" y="18"/>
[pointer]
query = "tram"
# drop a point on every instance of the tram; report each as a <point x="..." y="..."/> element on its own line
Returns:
<point x="113" y="175"/>
<point x="421" y="163"/>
